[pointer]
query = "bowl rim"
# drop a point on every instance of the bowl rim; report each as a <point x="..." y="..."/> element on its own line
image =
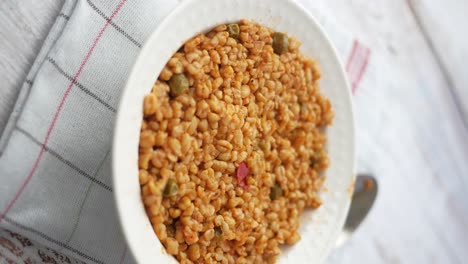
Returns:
<point x="149" y="44"/>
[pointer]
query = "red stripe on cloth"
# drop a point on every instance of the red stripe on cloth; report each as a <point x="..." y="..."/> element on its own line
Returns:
<point x="351" y="57"/>
<point x="59" y="109"/>
<point x="362" y="69"/>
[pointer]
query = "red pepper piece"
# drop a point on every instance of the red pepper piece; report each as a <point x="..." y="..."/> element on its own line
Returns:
<point x="241" y="175"/>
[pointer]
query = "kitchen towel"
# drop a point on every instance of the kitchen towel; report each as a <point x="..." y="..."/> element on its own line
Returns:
<point x="55" y="151"/>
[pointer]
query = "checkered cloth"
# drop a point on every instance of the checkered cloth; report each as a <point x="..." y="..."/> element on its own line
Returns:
<point x="55" y="163"/>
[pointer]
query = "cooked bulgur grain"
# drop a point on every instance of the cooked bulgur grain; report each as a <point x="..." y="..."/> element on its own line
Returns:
<point x="231" y="145"/>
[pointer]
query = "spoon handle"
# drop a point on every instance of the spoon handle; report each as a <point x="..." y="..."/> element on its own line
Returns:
<point x="365" y="193"/>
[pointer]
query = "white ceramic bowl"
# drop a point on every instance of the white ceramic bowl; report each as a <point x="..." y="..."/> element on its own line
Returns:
<point x="320" y="228"/>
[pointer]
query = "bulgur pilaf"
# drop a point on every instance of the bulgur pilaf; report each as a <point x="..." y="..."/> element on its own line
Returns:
<point x="232" y="147"/>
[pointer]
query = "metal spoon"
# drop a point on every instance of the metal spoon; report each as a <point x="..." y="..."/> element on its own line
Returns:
<point x="365" y="192"/>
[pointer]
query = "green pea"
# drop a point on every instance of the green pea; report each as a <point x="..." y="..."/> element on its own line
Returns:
<point x="233" y="30"/>
<point x="170" y="189"/>
<point x="276" y="192"/>
<point x="280" y="42"/>
<point x="171" y="229"/>
<point x="312" y="162"/>
<point x="218" y="231"/>
<point x="315" y="159"/>
<point x="179" y="84"/>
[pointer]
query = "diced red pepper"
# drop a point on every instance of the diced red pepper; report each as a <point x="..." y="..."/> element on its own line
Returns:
<point x="241" y="174"/>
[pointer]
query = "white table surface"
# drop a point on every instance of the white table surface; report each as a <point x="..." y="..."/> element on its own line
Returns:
<point x="419" y="144"/>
